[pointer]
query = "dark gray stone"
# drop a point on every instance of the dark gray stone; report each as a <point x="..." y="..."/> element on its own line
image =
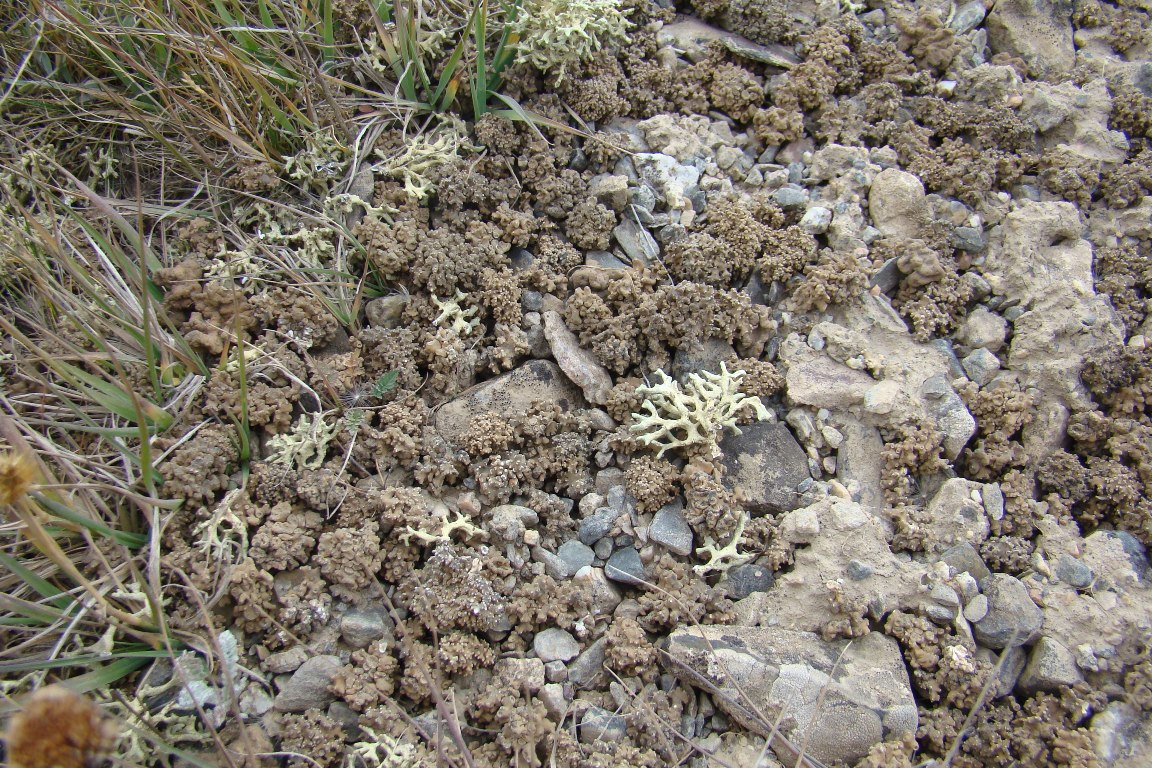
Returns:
<point x="1073" y="572"/>
<point x="618" y="497"/>
<point x="587" y="671"/>
<point x="670" y="529"/>
<point x="637" y="242"/>
<point x="286" y="661"/>
<point x="695" y="356"/>
<point x="625" y="567"/>
<point x="554" y="565"/>
<point x="743" y="580"/>
<point x="888" y="277"/>
<point x="865" y="683"/>
<point x="555" y="671"/>
<point x="1050" y="667"/>
<point x="969" y="239"/>
<point x="767" y="464"/>
<point x="604" y="260"/>
<point x="858" y="570"/>
<point x="510" y="395"/>
<point x="360" y="627"/>
<point x="816" y="220"/>
<point x="1137" y="554"/>
<point x="607" y="479"/>
<point x="1012" y="619"/>
<point x="521" y="259"/>
<point x="791" y="197"/>
<point x="597" y="526"/>
<point x="963" y="558"/>
<point x="981" y="366"/>
<point x="967" y="17"/>
<point x="644" y="198"/>
<point x="1014" y="660"/>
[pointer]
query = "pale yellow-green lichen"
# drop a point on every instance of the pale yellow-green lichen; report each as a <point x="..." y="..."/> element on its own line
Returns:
<point x="556" y="35"/>
<point x="322" y="161"/>
<point x="462" y="321"/>
<point x="223" y="536"/>
<point x="695" y="416"/>
<point x="306" y="446"/>
<point x="417" y="164"/>
<point x="382" y="751"/>
<point x="727" y="556"/>
<point x="447" y="527"/>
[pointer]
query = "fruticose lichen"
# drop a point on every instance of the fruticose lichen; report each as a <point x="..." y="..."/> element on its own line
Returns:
<point x="727" y="556"/>
<point x="306" y="445"/>
<point x="695" y="415"/>
<point x="419" y="164"/>
<point x="558" y="34"/>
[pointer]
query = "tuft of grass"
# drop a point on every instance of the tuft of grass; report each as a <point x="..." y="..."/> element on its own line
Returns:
<point x="123" y="121"/>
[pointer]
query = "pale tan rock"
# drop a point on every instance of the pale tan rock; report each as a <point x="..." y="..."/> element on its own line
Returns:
<point x="897" y="204"/>
<point x="1038" y="31"/>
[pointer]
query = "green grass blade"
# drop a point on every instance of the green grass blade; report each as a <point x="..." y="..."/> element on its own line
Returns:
<point x="480" y="80"/>
<point x="42" y="586"/>
<point x="130" y="540"/>
<point x="100" y="677"/>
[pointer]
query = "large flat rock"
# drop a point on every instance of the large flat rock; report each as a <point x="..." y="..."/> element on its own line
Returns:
<point x="837" y="698"/>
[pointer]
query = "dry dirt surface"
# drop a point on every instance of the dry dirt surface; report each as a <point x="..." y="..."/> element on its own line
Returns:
<point x="794" y="408"/>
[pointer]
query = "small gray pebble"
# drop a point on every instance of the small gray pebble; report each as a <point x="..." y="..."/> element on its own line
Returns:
<point x="597" y="525"/>
<point x="576" y="555"/>
<point x="791" y="197"/>
<point x="1073" y="572"/>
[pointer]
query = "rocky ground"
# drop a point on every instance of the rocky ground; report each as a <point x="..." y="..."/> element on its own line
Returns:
<point x="804" y="397"/>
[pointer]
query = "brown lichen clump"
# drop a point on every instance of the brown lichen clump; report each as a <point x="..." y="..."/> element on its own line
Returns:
<point x="935" y="305"/>
<point x="368" y="680"/>
<point x="711" y="509"/>
<point x="349" y="558"/>
<point x="1047" y="729"/>
<point x="202" y="467"/>
<point x="837" y="278"/>
<point x="652" y="482"/>
<point x="909" y="451"/>
<point x="927" y="39"/>
<point x="735" y="90"/>
<point x="1122" y="272"/>
<point x="629" y="652"/>
<point x="681" y="597"/>
<point x="786" y="252"/>
<point x="286" y="539"/>
<point x="58" y="728"/>
<point x="1001" y="409"/>
<point x="455" y="589"/>
<point x="252" y="600"/>
<point x="313" y="735"/>
<point x="943" y="664"/>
